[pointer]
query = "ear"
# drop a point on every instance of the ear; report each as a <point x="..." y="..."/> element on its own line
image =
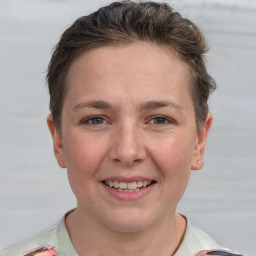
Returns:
<point x="198" y="155"/>
<point x="57" y="142"/>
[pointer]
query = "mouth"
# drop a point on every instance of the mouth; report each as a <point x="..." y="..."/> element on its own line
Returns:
<point x="133" y="186"/>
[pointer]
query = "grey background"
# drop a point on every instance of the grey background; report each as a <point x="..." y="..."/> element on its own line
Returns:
<point x="34" y="192"/>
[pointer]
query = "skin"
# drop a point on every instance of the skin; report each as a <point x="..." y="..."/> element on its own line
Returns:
<point x="145" y="127"/>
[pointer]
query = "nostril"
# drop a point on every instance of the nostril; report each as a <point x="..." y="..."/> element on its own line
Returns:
<point x="127" y="161"/>
<point x="127" y="149"/>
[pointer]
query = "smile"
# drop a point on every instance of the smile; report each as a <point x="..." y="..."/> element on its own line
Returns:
<point x="133" y="186"/>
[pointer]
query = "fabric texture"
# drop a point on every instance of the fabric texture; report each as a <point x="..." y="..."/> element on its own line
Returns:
<point x="195" y="242"/>
<point x="44" y="250"/>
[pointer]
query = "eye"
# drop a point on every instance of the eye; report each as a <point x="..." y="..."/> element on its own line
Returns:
<point x="96" y="120"/>
<point x="159" y="120"/>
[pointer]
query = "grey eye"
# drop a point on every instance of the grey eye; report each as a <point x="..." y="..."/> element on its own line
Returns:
<point x="159" y="120"/>
<point x="96" y="120"/>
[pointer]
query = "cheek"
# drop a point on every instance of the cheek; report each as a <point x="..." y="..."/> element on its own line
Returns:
<point x="83" y="158"/>
<point x="174" y="162"/>
<point x="175" y="154"/>
<point x="176" y="172"/>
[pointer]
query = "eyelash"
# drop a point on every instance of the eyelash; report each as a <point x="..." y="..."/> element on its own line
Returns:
<point x="166" y="120"/>
<point x="90" y="120"/>
<point x="103" y="120"/>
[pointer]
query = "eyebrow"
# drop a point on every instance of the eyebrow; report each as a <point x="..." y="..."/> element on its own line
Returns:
<point x="149" y="105"/>
<point x="160" y="104"/>
<point x="99" y="104"/>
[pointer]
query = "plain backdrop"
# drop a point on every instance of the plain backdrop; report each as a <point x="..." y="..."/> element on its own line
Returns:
<point x="34" y="191"/>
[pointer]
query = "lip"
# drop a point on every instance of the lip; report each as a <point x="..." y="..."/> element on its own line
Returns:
<point x="128" y="196"/>
<point x="127" y="179"/>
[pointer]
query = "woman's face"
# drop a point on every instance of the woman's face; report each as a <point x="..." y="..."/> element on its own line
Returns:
<point x="128" y="121"/>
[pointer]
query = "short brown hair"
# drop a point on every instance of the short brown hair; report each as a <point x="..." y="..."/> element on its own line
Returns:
<point x="126" y="22"/>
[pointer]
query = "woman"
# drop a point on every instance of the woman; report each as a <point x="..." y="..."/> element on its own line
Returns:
<point x="129" y="120"/>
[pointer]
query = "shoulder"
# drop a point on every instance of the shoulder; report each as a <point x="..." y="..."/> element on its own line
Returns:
<point x="42" y="242"/>
<point x="204" y="240"/>
<point x="197" y="242"/>
<point x="208" y="244"/>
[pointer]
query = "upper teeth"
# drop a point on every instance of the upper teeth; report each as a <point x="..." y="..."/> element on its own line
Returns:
<point x="128" y="185"/>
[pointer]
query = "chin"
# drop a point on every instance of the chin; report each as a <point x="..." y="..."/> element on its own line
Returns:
<point x="130" y="223"/>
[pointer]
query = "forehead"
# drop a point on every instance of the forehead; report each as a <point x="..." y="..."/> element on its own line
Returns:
<point x="130" y="68"/>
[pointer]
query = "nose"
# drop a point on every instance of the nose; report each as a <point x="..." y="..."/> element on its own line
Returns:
<point x="128" y="146"/>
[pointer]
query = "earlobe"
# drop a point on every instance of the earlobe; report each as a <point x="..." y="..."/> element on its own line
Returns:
<point x="198" y="156"/>
<point x="57" y="142"/>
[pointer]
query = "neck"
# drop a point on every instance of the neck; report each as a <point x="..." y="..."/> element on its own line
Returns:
<point x="161" y="239"/>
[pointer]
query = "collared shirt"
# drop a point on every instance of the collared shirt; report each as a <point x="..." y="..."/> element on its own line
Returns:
<point x="194" y="241"/>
